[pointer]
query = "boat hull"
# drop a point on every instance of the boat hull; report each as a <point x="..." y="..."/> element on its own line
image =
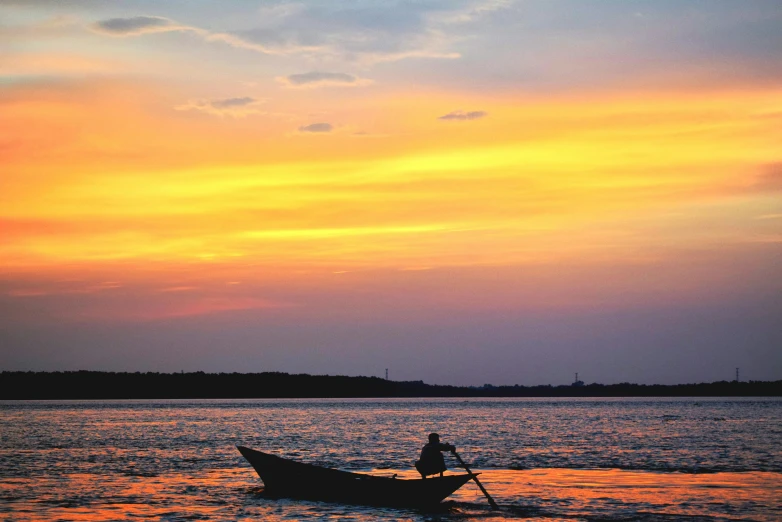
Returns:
<point x="288" y="478"/>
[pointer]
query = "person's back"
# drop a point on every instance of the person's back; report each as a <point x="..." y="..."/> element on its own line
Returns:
<point x="432" y="461"/>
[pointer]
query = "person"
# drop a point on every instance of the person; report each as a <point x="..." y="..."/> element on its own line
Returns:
<point x="432" y="461"/>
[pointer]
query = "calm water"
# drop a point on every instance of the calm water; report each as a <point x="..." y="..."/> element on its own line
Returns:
<point x="542" y="459"/>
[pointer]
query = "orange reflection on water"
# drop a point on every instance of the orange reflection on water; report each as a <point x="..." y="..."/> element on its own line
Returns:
<point x="590" y="492"/>
<point x="536" y="494"/>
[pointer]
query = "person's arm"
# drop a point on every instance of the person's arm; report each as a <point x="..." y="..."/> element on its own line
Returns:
<point x="448" y="447"/>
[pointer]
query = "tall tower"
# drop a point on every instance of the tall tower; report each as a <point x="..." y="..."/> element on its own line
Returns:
<point x="737" y="374"/>
<point x="386" y="373"/>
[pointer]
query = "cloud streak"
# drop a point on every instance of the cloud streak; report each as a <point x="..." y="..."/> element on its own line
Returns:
<point x="141" y="25"/>
<point x="317" y="128"/>
<point x="235" y="107"/>
<point x="463" y="116"/>
<point x="368" y="35"/>
<point x="317" y="79"/>
<point x="137" y="25"/>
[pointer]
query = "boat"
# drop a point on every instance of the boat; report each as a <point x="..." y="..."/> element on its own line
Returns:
<point x="289" y="478"/>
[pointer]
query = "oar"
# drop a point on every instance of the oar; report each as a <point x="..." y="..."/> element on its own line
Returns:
<point x="491" y="500"/>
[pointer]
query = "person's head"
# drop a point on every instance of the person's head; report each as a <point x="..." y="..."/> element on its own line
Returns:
<point x="434" y="437"/>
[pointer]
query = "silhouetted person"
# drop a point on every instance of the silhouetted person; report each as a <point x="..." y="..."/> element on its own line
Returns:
<point x="432" y="461"/>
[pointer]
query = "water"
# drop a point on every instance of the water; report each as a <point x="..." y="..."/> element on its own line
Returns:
<point x="541" y="459"/>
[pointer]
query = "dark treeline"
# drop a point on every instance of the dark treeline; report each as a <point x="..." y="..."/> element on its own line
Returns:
<point x="200" y="385"/>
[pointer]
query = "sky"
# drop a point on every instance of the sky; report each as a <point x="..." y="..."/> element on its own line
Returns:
<point x="460" y="191"/>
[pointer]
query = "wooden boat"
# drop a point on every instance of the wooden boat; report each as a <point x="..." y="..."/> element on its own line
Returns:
<point x="288" y="478"/>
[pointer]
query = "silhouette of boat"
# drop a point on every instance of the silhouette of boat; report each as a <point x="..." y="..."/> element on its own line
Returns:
<point x="288" y="478"/>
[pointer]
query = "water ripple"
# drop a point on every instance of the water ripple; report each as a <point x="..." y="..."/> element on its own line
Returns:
<point x="543" y="459"/>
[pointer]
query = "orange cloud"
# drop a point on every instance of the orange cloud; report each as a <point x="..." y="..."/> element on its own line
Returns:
<point x="107" y="174"/>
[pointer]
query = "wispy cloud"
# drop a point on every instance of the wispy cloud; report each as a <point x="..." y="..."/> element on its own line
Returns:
<point x="366" y="34"/>
<point x="137" y="25"/>
<point x="461" y="116"/>
<point x="317" y="128"/>
<point x="235" y="107"/>
<point x="140" y="25"/>
<point x="385" y="57"/>
<point x="474" y="10"/>
<point x="316" y="79"/>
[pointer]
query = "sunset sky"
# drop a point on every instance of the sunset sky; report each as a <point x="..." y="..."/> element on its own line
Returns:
<point x="463" y="192"/>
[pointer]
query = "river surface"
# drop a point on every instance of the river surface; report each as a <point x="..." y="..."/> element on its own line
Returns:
<point x="616" y="459"/>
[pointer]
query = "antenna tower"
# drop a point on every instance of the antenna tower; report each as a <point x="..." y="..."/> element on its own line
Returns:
<point x="737" y="374"/>
<point x="386" y="373"/>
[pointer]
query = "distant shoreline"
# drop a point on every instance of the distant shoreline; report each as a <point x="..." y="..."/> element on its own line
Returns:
<point x="275" y="385"/>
